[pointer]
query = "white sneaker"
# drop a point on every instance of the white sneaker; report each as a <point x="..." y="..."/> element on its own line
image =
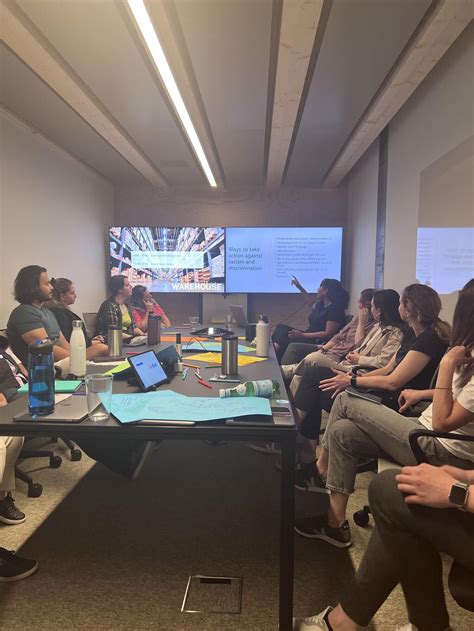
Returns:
<point x="313" y="623"/>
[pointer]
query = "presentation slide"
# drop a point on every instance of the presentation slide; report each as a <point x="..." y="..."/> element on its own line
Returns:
<point x="180" y="260"/>
<point x="264" y="260"/>
<point x="445" y="258"/>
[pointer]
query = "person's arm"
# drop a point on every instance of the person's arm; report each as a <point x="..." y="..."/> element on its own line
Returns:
<point x="308" y="298"/>
<point x="448" y="414"/>
<point x="330" y="330"/>
<point x="430" y="486"/>
<point x="60" y="350"/>
<point x="360" y="334"/>
<point x="3" y="400"/>
<point x="141" y="322"/>
<point x="410" y="397"/>
<point x="391" y="343"/>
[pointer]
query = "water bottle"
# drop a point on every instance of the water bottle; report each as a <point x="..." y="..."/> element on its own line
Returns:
<point x="154" y="329"/>
<point x="77" y="350"/>
<point x="229" y="350"/>
<point x="263" y="336"/>
<point x="40" y="378"/>
<point x="268" y="388"/>
<point x="115" y="340"/>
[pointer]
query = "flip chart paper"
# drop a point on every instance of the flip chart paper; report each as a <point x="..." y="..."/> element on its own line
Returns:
<point x="170" y="406"/>
<point x="213" y="346"/>
<point x="216" y="358"/>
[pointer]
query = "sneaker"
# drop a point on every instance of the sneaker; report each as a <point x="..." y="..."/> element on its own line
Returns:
<point x="318" y="528"/>
<point x="9" y="513"/>
<point x="13" y="568"/>
<point x="266" y="448"/>
<point x="313" y="623"/>
<point x="140" y="458"/>
<point x="307" y="478"/>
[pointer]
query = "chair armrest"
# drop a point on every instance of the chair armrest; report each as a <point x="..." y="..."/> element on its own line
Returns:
<point x="416" y="434"/>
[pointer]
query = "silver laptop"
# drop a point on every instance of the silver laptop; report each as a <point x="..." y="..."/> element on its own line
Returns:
<point x="70" y="410"/>
<point x="239" y="316"/>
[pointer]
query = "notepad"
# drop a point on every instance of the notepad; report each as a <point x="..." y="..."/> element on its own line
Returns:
<point x="59" y="387"/>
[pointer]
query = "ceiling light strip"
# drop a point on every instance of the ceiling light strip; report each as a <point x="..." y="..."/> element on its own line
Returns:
<point x="148" y="32"/>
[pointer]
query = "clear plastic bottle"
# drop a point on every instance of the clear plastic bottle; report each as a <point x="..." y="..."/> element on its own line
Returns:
<point x="262" y="336"/>
<point x="268" y="388"/>
<point x="77" y="350"/>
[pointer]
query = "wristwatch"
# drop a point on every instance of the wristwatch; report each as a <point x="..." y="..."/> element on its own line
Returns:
<point x="459" y="495"/>
<point x="354" y="381"/>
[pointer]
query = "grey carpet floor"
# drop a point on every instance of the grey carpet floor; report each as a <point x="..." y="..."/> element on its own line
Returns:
<point x="116" y="554"/>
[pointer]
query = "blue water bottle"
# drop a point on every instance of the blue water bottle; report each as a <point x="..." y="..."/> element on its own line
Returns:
<point x="40" y="378"/>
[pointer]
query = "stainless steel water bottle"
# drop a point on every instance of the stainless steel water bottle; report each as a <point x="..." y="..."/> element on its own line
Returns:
<point x="230" y="355"/>
<point x="115" y="341"/>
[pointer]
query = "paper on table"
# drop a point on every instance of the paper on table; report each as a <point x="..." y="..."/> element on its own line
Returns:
<point x="213" y="346"/>
<point x="59" y="386"/>
<point x="169" y="406"/>
<point x="216" y="358"/>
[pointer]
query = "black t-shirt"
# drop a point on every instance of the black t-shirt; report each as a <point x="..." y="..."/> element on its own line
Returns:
<point x="65" y="318"/>
<point x="321" y="314"/>
<point x="429" y="343"/>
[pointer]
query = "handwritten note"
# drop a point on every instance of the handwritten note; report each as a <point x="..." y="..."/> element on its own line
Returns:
<point x="171" y="406"/>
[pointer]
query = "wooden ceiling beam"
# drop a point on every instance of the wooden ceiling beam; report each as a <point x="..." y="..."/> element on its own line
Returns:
<point x="439" y="29"/>
<point x="33" y="49"/>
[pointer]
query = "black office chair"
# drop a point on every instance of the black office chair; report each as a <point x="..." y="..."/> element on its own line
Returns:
<point x="461" y="579"/>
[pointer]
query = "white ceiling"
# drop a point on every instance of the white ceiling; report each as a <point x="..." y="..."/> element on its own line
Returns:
<point x="229" y="56"/>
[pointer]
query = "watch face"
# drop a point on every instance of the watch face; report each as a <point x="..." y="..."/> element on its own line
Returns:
<point x="458" y="494"/>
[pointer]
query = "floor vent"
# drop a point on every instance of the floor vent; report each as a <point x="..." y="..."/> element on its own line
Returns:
<point x="213" y="594"/>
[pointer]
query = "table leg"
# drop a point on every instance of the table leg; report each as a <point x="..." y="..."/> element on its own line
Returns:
<point x="287" y="519"/>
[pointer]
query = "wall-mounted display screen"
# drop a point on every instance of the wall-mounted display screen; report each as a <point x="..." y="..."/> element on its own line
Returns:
<point x="264" y="260"/>
<point x="180" y="260"/>
<point x="445" y="258"/>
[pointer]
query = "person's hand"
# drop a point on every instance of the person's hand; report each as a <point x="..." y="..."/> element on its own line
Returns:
<point x="457" y="356"/>
<point x="461" y="475"/>
<point x="364" y="313"/>
<point x="407" y="398"/>
<point x="426" y="485"/>
<point x="337" y="383"/>
<point x="353" y="358"/>
<point x="98" y="339"/>
<point x="294" y="334"/>
<point x="3" y="400"/>
<point x="296" y="283"/>
<point x="149" y="306"/>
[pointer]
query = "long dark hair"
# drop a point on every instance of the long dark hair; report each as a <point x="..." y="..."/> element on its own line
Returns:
<point x="387" y="300"/>
<point x="137" y="295"/>
<point x="116" y="283"/>
<point x="26" y="288"/>
<point x="423" y="304"/>
<point x="60" y="286"/>
<point x="463" y="327"/>
<point x="336" y="292"/>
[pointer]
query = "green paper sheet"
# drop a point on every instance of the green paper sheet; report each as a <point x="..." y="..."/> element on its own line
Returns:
<point x="60" y="387"/>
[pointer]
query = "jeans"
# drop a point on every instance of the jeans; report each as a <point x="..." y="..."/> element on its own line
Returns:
<point x="296" y="351"/>
<point x="361" y="428"/>
<point x="404" y="548"/>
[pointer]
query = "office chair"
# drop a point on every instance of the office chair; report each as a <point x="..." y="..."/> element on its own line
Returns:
<point x="90" y="320"/>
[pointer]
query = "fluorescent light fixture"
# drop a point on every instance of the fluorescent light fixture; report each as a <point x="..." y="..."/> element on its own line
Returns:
<point x="145" y="25"/>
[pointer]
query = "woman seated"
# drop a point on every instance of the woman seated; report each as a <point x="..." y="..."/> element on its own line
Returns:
<point x="334" y="351"/>
<point x="142" y="305"/>
<point x="376" y="350"/>
<point x="327" y="317"/>
<point x="115" y="311"/>
<point x="63" y="296"/>
<point x="358" y="428"/>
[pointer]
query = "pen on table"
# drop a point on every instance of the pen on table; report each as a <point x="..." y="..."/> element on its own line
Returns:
<point x="213" y="366"/>
<point x="185" y="374"/>
<point x="191" y="366"/>
<point x="197" y="374"/>
<point x="205" y="384"/>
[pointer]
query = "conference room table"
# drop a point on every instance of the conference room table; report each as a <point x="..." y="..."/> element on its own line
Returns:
<point x="280" y="430"/>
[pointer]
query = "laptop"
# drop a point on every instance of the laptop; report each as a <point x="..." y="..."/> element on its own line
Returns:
<point x="239" y="315"/>
<point x="70" y="410"/>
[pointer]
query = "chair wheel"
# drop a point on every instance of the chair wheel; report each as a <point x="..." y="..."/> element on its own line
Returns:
<point x="55" y="462"/>
<point x="361" y="517"/>
<point x="76" y="454"/>
<point x="35" y="489"/>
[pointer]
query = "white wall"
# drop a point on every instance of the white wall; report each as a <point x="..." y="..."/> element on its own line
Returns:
<point x="435" y="121"/>
<point x="54" y="212"/>
<point x="433" y="128"/>
<point x="362" y="224"/>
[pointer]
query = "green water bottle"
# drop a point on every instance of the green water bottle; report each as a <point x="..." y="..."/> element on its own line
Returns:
<point x="268" y="388"/>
